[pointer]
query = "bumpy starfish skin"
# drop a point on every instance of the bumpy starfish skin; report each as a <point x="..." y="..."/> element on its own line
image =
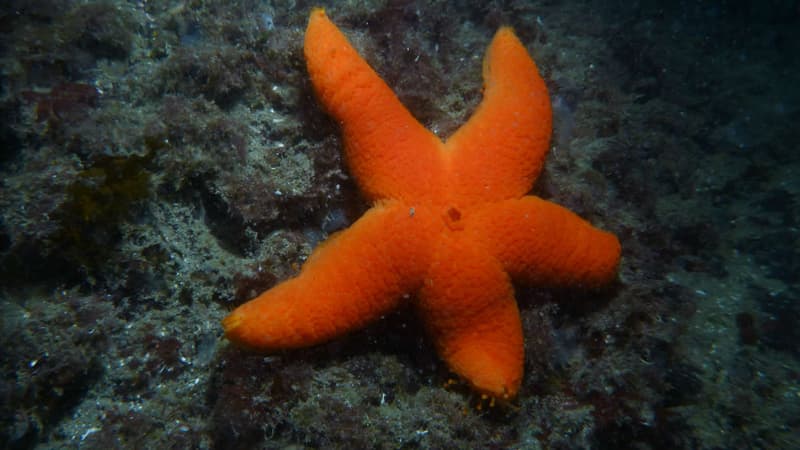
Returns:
<point x="450" y="225"/>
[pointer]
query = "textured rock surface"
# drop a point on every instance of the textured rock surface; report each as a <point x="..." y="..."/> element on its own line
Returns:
<point x="161" y="162"/>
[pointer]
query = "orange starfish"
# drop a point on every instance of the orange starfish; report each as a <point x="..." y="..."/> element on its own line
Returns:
<point x="450" y="224"/>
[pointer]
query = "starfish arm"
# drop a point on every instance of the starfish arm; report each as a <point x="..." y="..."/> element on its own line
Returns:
<point x="539" y="242"/>
<point x="500" y="151"/>
<point x="467" y="304"/>
<point x="350" y="280"/>
<point x="390" y="154"/>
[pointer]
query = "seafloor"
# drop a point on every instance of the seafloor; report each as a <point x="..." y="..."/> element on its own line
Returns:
<point x="163" y="161"/>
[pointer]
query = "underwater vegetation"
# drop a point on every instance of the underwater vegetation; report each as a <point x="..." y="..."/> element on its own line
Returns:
<point x="100" y="198"/>
<point x="163" y="162"/>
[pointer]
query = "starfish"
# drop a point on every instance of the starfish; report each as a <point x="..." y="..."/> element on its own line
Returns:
<point x="450" y="224"/>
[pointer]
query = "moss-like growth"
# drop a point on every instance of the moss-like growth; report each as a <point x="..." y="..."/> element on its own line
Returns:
<point x="99" y="199"/>
<point x="105" y="191"/>
<point x="103" y="29"/>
